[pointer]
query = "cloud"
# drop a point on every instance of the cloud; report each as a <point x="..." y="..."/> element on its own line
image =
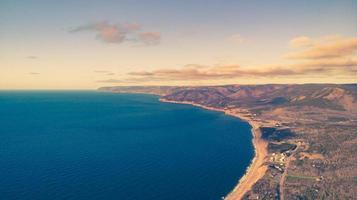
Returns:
<point x="149" y="38"/>
<point x="117" y="33"/>
<point x="301" y="41"/>
<point x="236" y="38"/>
<point x="198" y="72"/>
<point x="324" y="48"/>
<point x="32" y="57"/>
<point x="343" y="63"/>
<point x="110" y="81"/>
<point x="141" y="73"/>
<point x="101" y="71"/>
<point x="207" y="73"/>
<point x="129" y="80"/>
<point x="327" y="54"/>
<point x="106" y="32"/>
<point x="105" y="72"/>
<point x="321" y="64"/>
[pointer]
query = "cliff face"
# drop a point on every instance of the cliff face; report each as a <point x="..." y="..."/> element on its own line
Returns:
<point x="323" y="118"/>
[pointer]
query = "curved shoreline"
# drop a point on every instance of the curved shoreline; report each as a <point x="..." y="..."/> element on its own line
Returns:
<point x="256" y="169"/>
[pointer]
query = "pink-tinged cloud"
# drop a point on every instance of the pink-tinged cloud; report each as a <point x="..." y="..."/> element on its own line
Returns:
<point x="325" y="48"/>
<point x="321" y="67"/>
<point x="327" y="57"/>
<point x="117" y="33"/>
<point x="110" y="81"/>
<point x="109" y="33"/>
<point x="208" y="73"/>
<point x="301" y="41"/>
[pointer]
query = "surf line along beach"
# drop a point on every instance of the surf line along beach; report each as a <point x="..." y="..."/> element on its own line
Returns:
<point x="257" y="168"/>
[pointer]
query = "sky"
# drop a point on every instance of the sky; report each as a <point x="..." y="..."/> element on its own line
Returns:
<point x="87" y="44"/>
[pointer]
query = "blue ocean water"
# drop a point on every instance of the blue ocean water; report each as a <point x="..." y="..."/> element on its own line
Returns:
<point x="94" y="145"/>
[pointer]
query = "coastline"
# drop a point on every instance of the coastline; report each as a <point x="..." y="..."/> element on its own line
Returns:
<point x="256" y="169"/>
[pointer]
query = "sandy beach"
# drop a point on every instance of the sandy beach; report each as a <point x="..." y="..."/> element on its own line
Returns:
<point x="256" y="169"/>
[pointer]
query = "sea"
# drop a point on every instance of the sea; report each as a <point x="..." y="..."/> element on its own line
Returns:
<point x="87" y="145"/>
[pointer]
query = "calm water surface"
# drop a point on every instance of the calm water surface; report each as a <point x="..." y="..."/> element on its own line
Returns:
<point x="92" y="145"/>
